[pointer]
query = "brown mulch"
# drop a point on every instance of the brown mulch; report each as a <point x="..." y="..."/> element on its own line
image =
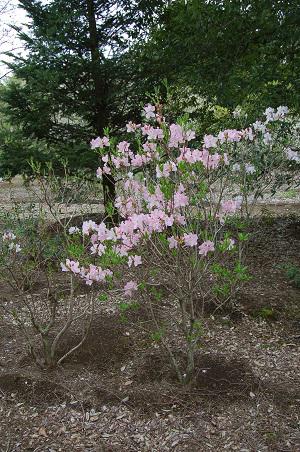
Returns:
<point x="118" y="392"/>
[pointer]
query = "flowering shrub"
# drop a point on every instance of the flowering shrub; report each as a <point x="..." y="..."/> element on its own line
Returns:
<point x="45" y="304"/>
<point x="181" y="201"/>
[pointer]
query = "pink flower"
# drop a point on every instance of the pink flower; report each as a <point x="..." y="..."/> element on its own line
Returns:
<point x="149" y="111"/>
<point x="73" y="230"/>
<point x="155" y="133"/>
<point x="99" y="142"/>
<point x="190" y="239"/>
<point x="190" y="135"/>
<point x="168" y="167"/>
<point x="233" y="135"/>
<point x="229" y="206"/>
<point x="213" y="161"/>
<point x="130" y="288"/>
<point x="106" y="169"/>
<point x="105" y="141"/>
<point x="95" y="274"/>
<point x="123" y="147"/>
<point x="70" y="266"/>
<point x="172" y="243"/>
<point x="180" y="199"/>
<point x="134" y="260"/>
<point x="169" y="221"/>
<point x="205" y="247"/>
<point x="132" y="127"/>
<point x="96" y="143"/>
<point x="149" y="147"/>
<point x="99" y="172"/>
<point x="210" y="141"/>
<point x="176" y="135"/>
<point x="137" y="161"/>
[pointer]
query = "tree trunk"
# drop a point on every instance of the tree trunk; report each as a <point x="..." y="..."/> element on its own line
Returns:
<point x="108" y="181"/>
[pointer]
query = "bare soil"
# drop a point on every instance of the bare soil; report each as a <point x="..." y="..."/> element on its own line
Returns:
<point x="118" y="393"/>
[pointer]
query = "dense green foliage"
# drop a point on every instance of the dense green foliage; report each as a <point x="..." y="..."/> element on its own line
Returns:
<point x="229" y="51"/>
<point x="53" y="95"/>
<point x="215" y="55"/>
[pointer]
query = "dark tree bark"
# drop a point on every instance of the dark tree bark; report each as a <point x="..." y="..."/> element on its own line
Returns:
<point x="108" y="181"/>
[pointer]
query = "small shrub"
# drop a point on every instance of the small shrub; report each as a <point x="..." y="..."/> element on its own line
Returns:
<point x="293" y="274"/>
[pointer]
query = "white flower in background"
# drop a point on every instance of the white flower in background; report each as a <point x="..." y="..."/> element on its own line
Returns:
<point x="8" y="236"/>
<point x="292" y="155"/>
<point x="73" y="230"/>
<point x="250" y="169"/>
<point x="267" y="138"/>
<point x="237" y="112"/>
<point x="236" y="167"/>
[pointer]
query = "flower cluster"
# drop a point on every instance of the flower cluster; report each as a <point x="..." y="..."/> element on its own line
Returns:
<point x="89" y="275"/>
<point x="173" y="164"/>
<point x="9" y="237"/>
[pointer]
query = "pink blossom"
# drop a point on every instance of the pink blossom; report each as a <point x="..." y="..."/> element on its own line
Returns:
<point x="99" y="172"/>
<point x="99" y="142"/>
<point x="105" y="141"/>
<point x="169" y="220"/>
<point x="149" y="111"/>
<point x="88" y="227"/>
<point x="176" y="135"/>
<point x="137" y="161"/>
<point x="123" y="147"/>
<point x="229" y="206"/>
<point x="73" y="230"/>
<point x="210" y="141"/>
<point x="168" y="167"/>
<point x="95" y="274"/>
<point x="155" y="133"/>
<point x="96" y="143"/>
<point x="134" y="260"/>
<point x="70" y="266"/>
<point x="149" y="147"/>
<point x="130" y="288"/>
<point x="213" y="161"/>
<point x="132" y="127"/>
<point x="173" y="243"/>
<point x="233" y="135"/>
<point x="180" y="198"/>
<point x="190" y="239"/>
<point x="190" y="135"/>
<point x="106" y="169"/>
<point x="206" y="247"/>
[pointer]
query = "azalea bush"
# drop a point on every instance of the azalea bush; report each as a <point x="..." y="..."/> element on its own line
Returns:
<point x="45" y="304"/>
<point x="183" y="201"/>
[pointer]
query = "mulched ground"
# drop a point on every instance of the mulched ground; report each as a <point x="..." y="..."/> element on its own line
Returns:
<point x="118" y="393"/>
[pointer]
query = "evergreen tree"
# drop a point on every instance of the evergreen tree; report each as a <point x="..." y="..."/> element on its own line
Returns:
<point x="65" y="89"/>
